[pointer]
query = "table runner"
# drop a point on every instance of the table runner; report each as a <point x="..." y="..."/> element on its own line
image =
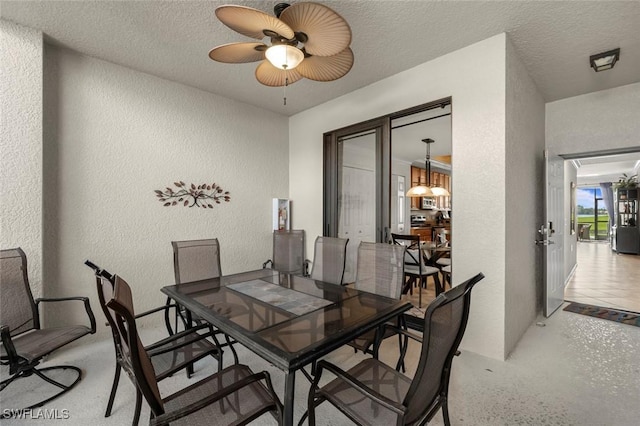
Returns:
<point x="284" y="298"/>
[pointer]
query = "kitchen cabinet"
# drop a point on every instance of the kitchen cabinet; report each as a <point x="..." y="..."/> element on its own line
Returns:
<point x="426" y="232"/>
<point x="626" y="231"/>
<point x="419" y="176"/>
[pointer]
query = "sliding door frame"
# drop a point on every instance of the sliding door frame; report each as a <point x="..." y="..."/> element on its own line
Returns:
<point x="332" y="166"/>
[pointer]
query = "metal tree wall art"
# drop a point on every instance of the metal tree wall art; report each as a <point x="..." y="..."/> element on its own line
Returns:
<point x="204" y="195"/>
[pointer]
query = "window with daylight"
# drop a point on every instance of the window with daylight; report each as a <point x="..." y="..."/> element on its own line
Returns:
<point x="593" y="219"/>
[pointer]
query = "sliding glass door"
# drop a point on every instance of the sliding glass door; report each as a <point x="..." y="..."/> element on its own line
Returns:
<point x="357" y="182"/>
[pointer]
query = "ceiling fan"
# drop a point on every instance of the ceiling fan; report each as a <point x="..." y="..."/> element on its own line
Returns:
<point x="306" y="40"/>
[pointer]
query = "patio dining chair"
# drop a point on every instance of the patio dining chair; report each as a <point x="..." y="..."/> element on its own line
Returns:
<point x="169" y="355"/>
<point x="380" y="270"/>
<point x="197" y="260"/>
<point x="234" y="395"/>
<point x="416" y="270"/>
<point x="288" y="253"/>
<point x="374" y="393"/>
<point x="329" y="258"/>
<point x="24" y="341"/>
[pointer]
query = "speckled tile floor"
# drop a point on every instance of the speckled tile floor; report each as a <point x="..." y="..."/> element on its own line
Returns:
<point x="576" y="370"/>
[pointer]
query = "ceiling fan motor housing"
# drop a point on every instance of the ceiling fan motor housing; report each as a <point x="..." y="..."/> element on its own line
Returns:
<point x="279" y="8"/>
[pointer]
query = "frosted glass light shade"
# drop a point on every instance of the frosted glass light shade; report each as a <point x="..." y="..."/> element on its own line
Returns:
<point x="440" y="192"/>
<point x="420" y="191"/>
<point x="284" y="57"/>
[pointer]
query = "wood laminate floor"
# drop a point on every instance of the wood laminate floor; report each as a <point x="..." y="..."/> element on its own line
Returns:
<point x="605" y="278"/>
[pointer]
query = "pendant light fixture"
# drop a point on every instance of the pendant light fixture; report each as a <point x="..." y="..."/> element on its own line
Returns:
<point x="427" y="190"/>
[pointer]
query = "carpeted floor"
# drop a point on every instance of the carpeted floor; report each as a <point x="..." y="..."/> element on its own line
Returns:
<point x="625" y="317"/>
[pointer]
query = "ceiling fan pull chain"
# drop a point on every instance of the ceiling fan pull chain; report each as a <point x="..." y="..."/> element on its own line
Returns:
<point x="284" y="88"/>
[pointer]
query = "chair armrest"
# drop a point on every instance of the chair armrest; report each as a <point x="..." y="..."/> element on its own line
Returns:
<point x="269" y="261"/>
<point x="359" y="386"/>
<point x="405" y="333"/>
<point x="87" y="306"/>
<point x="210" y="399"/>
<point x="157" y="347"/>
<point x="154" y="310"/>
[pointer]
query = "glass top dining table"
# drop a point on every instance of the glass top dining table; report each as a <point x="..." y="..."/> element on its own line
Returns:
<point x="288" y="320"/>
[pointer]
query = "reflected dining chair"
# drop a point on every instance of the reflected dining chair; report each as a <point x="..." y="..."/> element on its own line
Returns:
<point x="288" y="253"/>
<point x="24" y="341"/>
<point x="415" y="268"/>
<point x="329" y="258"/>
<point x="374" y="393"/>
<point x="380" y="270"/>
<point x="169" y="355"/>
<point x="196" y="260"/>
<point x="234" y="395"/>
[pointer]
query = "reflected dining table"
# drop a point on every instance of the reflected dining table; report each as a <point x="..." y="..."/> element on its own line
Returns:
<point x="290" y="321"/>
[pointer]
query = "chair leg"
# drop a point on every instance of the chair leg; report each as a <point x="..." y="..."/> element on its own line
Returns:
<point x="136" y="414"/>
<point x="40" y="373"/>
<point x="445" y="412"/>
<point x="233" y="350"/>
<point x="439" y="287"/>
<point x="114" y="388"/>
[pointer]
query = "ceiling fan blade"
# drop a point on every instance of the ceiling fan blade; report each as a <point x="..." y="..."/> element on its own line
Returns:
<point x="327" y="32"/>
<point x="269" y="75"/>
<point x="252" y="22"/>
<point x="238" y="53"/>
<point x="326" y="68"/>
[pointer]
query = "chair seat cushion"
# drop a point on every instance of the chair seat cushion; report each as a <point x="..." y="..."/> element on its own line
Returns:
<point x="375" y="375"/>
<point x="34" y="344"/>
<point x="415" y="270"/>
<point x="447" y="269"/>
<point x="444" y="261"/>
<point x="242" y="404"/>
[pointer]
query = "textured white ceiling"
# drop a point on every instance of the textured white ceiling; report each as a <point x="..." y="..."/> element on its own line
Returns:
<point x="171" y="39"/>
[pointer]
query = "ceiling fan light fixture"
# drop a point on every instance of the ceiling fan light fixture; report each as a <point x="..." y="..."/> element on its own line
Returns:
<point x="604" y="61"/>
<point x="284" y="56"/>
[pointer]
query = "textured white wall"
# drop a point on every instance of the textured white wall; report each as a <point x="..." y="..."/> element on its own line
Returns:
<point x="524" y="196"/>
<point x="21" y="145"/>
<point x="597" y="121"/>
<point x="478" y="135"/>
<point x="113" y="136"/>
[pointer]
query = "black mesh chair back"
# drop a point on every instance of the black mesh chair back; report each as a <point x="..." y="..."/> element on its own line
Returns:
<point x="196" y="260"/>
<point x="133" y="351"/>
<point x="288" y="252"/>
<point x="234" y="395"/>
<point x="444" y="325"/>
<point x="24" y="341"/>
<point x="329" y="258"/>
<point x="380" y="269"/>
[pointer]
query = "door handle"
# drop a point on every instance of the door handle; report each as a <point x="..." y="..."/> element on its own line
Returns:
<point x="543" y="242"/>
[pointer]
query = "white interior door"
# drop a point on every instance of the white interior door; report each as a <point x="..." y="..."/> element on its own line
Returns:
<point x="552" y="233"/>
<point x="357" y="211"/>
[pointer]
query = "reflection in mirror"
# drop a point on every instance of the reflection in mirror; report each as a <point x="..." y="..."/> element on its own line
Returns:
<point x="429" y="217"/>
<point x="357" y="195"/>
